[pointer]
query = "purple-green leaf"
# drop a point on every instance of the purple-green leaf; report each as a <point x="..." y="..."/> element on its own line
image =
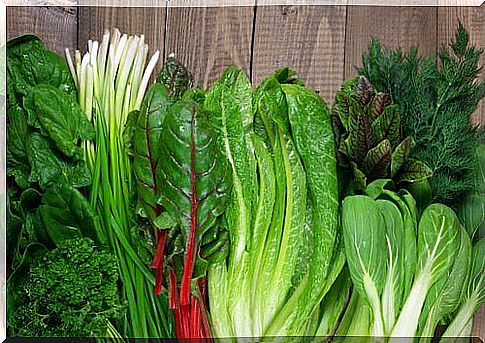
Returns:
<point x="414" y="171"/>
<point x="400" y="154"/>
<point x="377" y="160"/>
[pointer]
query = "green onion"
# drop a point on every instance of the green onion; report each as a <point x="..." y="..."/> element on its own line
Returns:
<point x="111" y="79"/>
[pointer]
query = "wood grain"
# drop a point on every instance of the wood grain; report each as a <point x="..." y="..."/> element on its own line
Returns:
<point x="473" y="18"/>
<point x="150" y="21"/>
<point x="209" y="39"/>
<point x="56" y="26"/>
<point x="308" y="39"/>
<point x="393" y="26"/>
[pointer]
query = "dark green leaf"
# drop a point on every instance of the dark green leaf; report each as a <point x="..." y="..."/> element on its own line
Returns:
<point x="375" y="188"/>
<point x="421" y="191"/>
<point x="377" y="160"/>
<point x="18" y="133"/>
<point x="50" y="167"/>
<point x="58" y="116"/>
<point x="66" y="214"/>
<point x="194" y="169"/>
<point x="146" y="148"/>
<point x="359" y="177"/>
<point x="174" y="77"/>
<point x="30" y="199"/>
<point x="414" y="171"/>
<point x="30" y="64"/>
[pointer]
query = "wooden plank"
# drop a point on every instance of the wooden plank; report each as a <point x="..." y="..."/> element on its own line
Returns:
<point x="56" y="26"/>
<point x="473" y="18"/>
<point x="209" y="39"/>
<point x="308" y="39"/>
<point x="393" y="26"/>
<point x="150" y="21"/>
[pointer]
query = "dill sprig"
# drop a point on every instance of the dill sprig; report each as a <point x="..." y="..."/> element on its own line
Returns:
<point x="437" y="101"/>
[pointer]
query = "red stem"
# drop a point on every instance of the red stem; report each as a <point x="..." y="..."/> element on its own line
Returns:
<point x="194" y="319"/>
<point x="190" y="252"/>
<point x="173" y="293"/>
<point x="158" y="258"/>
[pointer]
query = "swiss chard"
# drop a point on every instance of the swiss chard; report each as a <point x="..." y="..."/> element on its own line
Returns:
<point x="193" y="191"/>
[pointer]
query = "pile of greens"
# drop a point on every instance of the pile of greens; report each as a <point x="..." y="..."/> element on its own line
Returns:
<point x="53" y="232"/>
<point x="161" y="210"/>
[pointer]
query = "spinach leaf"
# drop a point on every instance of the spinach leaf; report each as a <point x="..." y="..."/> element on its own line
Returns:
<point x="50" y="167"/>
<point x="58" y="116"/>
<point x="66" y="214"/>
<point x="30" y="64"/>
<point x="18" y="132"/>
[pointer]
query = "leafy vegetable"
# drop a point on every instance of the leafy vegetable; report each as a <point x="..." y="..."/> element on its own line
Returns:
<point x="111" y="80"/>
<point x="474" y="295"/>
<point x="283" y="224"/>
<point x="369" y="140"/>
<point x="436" y="102"/>
<point x="66" y="214"/>
<point x="58" y="116"/>
<point x="69" y="291"/>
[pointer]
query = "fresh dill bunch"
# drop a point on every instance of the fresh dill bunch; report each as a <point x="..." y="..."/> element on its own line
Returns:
<point x="437" y="101"/>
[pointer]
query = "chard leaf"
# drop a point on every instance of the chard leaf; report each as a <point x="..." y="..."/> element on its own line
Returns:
<point x="194" y="179"/>
<point x="17" y="146"/>
<point x="388" y="125"/>
<point x="400" y="154"/>
<point x="174" y="77"/>
<point x="147" y="136"/>
<point x="49" y="167"/>
<point x="66" y="214"/>
<point x="414" y="171"/>
<point x="59" y="117"/>
<point x="377" y="160"/>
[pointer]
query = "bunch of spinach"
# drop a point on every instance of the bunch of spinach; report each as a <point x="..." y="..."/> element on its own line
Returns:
<point x="46" y="207"/>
